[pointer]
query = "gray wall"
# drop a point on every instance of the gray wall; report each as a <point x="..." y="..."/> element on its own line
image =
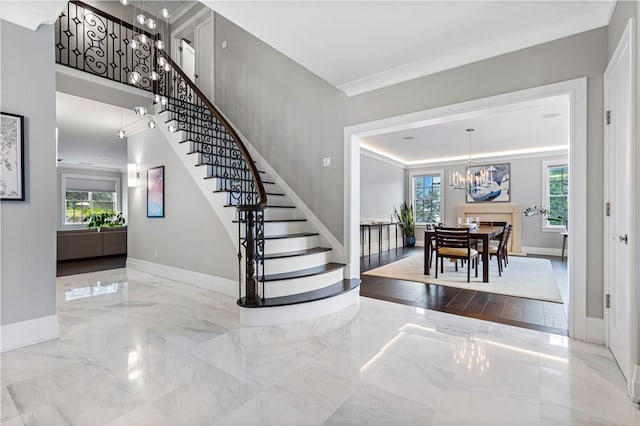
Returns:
<point x="28" y="259"/>
<point x="190" y="236"/>
<point x="122" y="196"/>
<point x="382" y="187"/>
<point x="526" y="181"/>
<point x="624" y="10"/>
<point x="289" y="114"/>
<point x="294" y="118"/>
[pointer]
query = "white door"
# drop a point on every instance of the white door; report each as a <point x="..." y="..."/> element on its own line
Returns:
<point x="188" y="59"/>
<point x="204" y="43"/>
<point x="619" y="187"/>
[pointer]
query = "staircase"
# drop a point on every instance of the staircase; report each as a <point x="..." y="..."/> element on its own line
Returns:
<point x="286" y="270"/>
<point x="295" y="276"/>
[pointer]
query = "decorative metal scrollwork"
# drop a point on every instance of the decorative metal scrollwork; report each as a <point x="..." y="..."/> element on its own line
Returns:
<point x="93" y="41"/>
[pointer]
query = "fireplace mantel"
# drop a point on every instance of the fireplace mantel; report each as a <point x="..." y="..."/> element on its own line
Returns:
<point x="506" y="212"/>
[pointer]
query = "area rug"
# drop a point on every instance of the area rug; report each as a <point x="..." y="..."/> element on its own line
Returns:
<point x="524" y="277"/>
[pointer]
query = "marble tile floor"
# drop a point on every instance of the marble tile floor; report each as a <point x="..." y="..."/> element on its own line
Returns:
<point x="136" y="349"/>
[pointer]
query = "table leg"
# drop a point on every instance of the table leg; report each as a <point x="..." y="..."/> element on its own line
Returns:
<point x="485" y="258"/>
<point x="396" y="226"/>
<point x="379" y="241"/>
<point x="369" y="243"/>
<point x="389" y="237"/>
<point x="427" y="254"/>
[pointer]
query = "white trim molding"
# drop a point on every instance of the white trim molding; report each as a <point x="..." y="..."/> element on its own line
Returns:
<point x="596" y="330"/>
<point x="544" y="251"/>
<point x="576" y="91"/>
<point x="25" y="333"/>
<point x="196" y="279"/>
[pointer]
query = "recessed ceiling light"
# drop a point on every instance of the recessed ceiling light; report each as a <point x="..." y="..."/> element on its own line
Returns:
<point x="551" y="115"/>
<point x="408" y="138"/>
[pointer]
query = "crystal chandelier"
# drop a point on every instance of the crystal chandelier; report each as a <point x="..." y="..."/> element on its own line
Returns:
<point x="470" y="180"/>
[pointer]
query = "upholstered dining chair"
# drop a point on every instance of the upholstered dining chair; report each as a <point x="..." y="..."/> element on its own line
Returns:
<point x="454" y="243"/>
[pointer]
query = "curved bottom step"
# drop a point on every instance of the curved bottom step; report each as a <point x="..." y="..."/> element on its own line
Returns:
<point x="303" y="306"/>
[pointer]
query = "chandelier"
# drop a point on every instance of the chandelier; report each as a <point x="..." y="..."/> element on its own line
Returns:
<point x="471" y="179"/>
<point x="141" y="41"/>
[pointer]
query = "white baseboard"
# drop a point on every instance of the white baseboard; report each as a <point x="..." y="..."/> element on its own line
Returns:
<point x="374" y="246"/>
<point x="197" y="279"/>
<point x="545" y="251"/>
<point x="26" y="333"/>
<point x="595" y="330"/>
<point x="634" y="384"/>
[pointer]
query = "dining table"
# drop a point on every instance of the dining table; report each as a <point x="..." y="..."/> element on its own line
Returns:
<point x="483" y="233"/>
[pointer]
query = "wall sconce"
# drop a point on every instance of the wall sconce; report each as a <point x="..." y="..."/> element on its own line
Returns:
<point x="132" y="175"/>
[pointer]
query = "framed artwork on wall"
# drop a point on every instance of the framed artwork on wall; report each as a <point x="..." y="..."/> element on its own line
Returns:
<point x="11" y="157"/>
<point x="498" y="187"/>
<point x="155" y="192"/>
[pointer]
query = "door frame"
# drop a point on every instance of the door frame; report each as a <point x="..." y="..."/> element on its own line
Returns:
<point x="580" y="327"/>
<point x="180" y="31"/>
<point x="627" y="41"/>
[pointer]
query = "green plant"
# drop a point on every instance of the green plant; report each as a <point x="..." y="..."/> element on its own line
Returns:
<point x="543" y="211"/>
<point x="102" y="218"/>
<point x="406" y="219"/>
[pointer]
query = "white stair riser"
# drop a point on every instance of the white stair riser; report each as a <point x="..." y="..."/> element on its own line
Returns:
<point x="278" y="214"/>
<point x="282" y="245"/>
<point x="303" y="311"/>
<point x="279" y="228"/>
<point x="277" y="200"/>
<point x="288" y="264"/>
<point x="302" y="285"/>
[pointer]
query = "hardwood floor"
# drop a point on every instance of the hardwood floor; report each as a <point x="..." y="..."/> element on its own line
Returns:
<point x="518" y="311"/>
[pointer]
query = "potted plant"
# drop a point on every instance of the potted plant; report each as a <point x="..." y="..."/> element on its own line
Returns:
<point x="102" y="218"/>
<point x="407" y="223"/>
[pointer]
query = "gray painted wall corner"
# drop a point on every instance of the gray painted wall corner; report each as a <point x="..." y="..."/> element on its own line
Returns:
<point x="28" y="264"/>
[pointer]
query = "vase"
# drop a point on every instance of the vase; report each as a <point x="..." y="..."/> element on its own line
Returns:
<point x="411" y="241"/>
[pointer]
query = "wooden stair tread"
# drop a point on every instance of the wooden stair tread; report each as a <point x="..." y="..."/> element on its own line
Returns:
<point x="232" y="178"/>
<point x="275" y="194"/>
<point x="303" y="273"/>
<point x="342" y="286"/>
<point x="297" y="235"/>
<point x="277" y="220"/>
<point x="297" y="253"/>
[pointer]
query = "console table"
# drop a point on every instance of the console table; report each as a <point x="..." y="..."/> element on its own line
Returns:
<point x="366" y="226"/>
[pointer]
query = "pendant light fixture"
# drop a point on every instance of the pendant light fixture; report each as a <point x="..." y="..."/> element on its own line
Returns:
<point x="121" y="133"/>
<point x="470" y="180"/>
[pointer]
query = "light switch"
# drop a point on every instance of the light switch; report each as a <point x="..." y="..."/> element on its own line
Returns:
<point x="326" y="161"/>
<point x="224" y="44"/>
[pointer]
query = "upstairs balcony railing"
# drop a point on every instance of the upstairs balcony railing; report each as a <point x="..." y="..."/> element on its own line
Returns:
<point x="93" y="41"/>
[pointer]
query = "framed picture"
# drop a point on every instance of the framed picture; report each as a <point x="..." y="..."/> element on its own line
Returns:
<point x="497" y="186"/>
<point x="155" y="192"/>
<point x="12" y="157"/>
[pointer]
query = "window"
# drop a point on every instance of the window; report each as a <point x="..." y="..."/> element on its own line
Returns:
<point x="427" y="198"/>
<point x="556" y="188"/>
<point x="82" y="193"/>
<point x="78" y="202"/>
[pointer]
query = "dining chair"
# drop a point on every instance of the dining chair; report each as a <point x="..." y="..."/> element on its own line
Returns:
<point x="505" y="254"/>
<point x="499" y="249"/>
<point x="454" y="243"/>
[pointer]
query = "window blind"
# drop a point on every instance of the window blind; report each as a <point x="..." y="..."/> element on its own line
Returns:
<point x="93" y="185"/>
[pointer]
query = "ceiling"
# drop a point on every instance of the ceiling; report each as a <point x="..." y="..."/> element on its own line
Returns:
<point x="359" y="46"/>
<point x="518" y="129"/>
<point x="87" y="132"/>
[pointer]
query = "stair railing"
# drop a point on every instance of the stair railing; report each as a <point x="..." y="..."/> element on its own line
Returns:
<point x="93" y="41"/>
<point x="229" y="161"/>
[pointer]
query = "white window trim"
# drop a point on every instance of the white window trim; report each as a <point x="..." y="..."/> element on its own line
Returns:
<point x="63" y="195"/>
<point x="544" y="223"/>
<point x="424" y="172"/>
